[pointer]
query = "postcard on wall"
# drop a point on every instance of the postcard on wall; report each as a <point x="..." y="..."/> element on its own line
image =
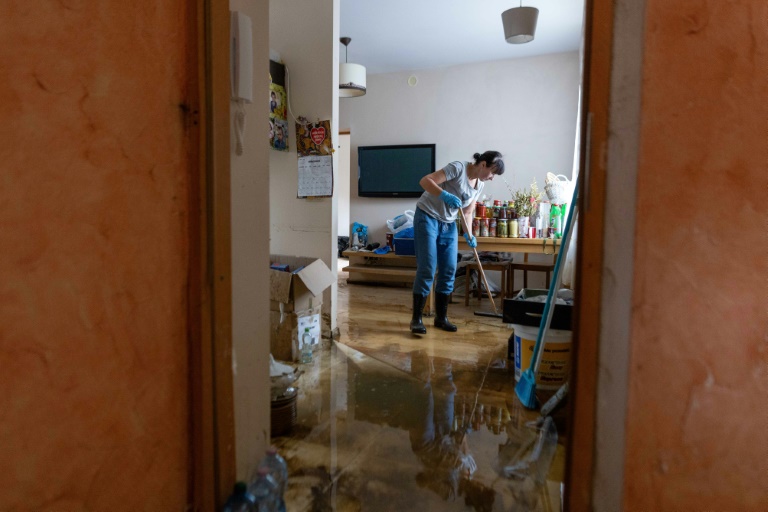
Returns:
<point x="313" y="144"/>
<point x="278" y="100"/>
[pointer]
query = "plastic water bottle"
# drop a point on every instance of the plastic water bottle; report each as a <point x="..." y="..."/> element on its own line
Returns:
<point x="306" y="346"/>
<point x="264" y="489"/>
<point x="278" y="469"/>
<point x="240" y="500"/>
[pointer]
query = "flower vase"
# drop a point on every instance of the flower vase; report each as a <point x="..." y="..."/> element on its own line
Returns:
<point x="522" y="223"/>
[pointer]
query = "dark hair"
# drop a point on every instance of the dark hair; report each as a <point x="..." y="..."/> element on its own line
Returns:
<point x="490" y="158"/>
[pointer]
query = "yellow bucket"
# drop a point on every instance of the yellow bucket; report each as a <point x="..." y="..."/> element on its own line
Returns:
<point x="555" y="361"/>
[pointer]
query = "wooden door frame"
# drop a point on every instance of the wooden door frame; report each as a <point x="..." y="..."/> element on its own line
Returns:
<point x="212" y="441"/>
<point x="212" y="467"/>
<point x="580" y="452"/>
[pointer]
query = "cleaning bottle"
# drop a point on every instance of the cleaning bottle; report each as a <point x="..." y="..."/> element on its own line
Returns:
<point x="264" y="490"/>
<point x="306" y="346"/>
<point x="278" y="469"/>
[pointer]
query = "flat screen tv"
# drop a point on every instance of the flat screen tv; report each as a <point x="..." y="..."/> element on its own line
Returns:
<point x="393" y="171"/>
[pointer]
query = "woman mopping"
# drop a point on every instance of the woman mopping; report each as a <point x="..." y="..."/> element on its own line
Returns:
<point x="457" y="185"/>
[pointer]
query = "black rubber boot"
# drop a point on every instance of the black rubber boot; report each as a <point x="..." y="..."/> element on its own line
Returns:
<point x="417" y="326"/>
<point x="441" y="313"/>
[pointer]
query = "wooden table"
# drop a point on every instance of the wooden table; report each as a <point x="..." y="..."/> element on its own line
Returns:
<point x="529" y="245"/>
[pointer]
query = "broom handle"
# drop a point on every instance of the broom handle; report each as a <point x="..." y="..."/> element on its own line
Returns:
<point x="479" y="266"/>
<point x="555" y="283"/>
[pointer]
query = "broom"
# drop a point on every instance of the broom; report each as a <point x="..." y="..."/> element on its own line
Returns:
<point x="526" y="386"/>
<point x="479" y="266"/>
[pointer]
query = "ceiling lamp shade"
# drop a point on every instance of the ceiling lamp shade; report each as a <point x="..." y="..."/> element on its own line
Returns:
<point x="351" y="76"/>
<point x="519" y="24"/>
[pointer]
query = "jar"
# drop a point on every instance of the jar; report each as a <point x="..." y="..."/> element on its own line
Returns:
<point x="513" y="229"/>
<point x="476" y="226"/>
<point x="502" y="228"/>
<point x="479" y="210"/>
<point x="503" y="213"/>
<point x="496" y="212"/>
<point x="483" y="227"/>
<point x="492" y="228"/>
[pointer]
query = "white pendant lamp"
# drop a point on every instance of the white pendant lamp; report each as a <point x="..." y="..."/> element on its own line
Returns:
<point x="351" y="76"/>
<point x="519" y="24"/>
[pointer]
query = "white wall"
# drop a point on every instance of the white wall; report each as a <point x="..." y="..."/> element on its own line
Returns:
<point x="524" y="108"/>
<point x="342" y="185"/>
<point x="250" y="258"/>
<point x="305" y="34"/>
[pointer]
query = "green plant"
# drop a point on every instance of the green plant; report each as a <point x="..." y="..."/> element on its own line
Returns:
<point x="527" y="201"/>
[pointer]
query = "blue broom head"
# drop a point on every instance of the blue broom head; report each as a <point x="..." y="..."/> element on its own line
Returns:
<point x="526" y="389"/>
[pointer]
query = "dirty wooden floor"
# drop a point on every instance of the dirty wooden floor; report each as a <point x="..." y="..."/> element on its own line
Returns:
<point x="391" y="421"/>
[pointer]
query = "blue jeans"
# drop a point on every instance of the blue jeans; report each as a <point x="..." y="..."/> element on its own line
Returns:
<point x="436" y="249"/>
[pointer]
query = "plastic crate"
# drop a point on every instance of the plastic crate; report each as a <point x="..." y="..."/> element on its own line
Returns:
<point x="405" y="247"/>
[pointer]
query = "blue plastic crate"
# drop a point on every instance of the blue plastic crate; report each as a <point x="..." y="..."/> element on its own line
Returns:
<point x="405" y="247"/>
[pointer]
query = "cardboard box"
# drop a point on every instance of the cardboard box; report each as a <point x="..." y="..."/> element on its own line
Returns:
<point x="523" y="312"/>
<point x="285" y="329"/>
<point x="302" y="287"/>
<point x="405" y="247"/>
<point x="296" y="298"/>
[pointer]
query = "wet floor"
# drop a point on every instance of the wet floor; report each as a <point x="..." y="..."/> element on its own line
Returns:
<point x="390" y="421"/>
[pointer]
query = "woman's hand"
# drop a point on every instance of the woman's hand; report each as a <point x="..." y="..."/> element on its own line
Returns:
<point x="450" y="199"/>
<point x="471" y="240"/>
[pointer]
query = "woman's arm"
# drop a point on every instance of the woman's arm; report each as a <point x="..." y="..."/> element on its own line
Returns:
<point x="431" y="182"/>
<point x="468" y="214"/>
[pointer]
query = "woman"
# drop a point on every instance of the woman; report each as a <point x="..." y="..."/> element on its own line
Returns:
<point x="454" y="187"/>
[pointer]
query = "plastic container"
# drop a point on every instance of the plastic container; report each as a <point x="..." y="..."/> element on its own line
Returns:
<point x="306" y="346"/>
<point x="240" y="500"/>
<point x="278" y="470"/>
<point x="264" y="490"/>
<point x="405" y="247"/>
<point x="555" y="360"/>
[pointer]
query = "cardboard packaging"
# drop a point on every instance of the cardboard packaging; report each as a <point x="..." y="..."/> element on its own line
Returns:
<point x="523" y="312"/>
<point x="296" y="298"/>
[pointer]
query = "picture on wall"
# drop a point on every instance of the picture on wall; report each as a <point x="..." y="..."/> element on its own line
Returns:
<point x="278" y="101"/>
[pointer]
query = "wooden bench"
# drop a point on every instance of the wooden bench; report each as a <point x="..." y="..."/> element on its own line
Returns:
<point x="387" y="269"/>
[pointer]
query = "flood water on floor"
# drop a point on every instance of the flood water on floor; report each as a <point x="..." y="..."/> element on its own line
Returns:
<point x="390" y="421"/>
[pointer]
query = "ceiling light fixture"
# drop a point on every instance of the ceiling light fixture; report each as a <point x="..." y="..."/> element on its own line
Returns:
<point x="519" y="24"/>
<point x="351" y="76"/>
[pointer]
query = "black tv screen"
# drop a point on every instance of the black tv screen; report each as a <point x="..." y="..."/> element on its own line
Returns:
<point x="393" y="171"/>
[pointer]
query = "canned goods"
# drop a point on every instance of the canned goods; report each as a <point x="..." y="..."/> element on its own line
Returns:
<point x="502" y="228"/>
<point x="492" y="227"/>
<point x="483" y="227"/>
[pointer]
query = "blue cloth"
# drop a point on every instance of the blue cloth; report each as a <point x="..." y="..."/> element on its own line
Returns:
<point x="436" y="246"/>
<point x="382" y="250"/>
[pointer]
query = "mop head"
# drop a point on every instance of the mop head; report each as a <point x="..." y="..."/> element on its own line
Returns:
<point x="526" y="389"/>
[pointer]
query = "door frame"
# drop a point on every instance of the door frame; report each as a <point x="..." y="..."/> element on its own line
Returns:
<point x="580" y="451"/>
<point x="212" y="428"/>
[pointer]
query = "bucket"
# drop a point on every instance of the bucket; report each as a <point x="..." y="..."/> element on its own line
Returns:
<point x="555" y="361"/>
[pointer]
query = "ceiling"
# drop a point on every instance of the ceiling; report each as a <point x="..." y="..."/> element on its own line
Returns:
<point x="400" y="35"/>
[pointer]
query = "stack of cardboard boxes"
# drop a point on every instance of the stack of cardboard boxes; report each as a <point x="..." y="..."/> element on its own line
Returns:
<point x="296" y="298"/>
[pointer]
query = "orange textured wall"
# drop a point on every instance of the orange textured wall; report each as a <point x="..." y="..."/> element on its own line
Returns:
<point x="696" y="419"/>
<point x="93" y="230"/>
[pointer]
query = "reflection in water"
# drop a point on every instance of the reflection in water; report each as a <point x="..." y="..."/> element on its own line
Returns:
<point x="417" y="432"/>
<point x="443" y="451"/>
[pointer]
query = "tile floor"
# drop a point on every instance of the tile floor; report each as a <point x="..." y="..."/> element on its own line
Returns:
<point x="391" y="421"/>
